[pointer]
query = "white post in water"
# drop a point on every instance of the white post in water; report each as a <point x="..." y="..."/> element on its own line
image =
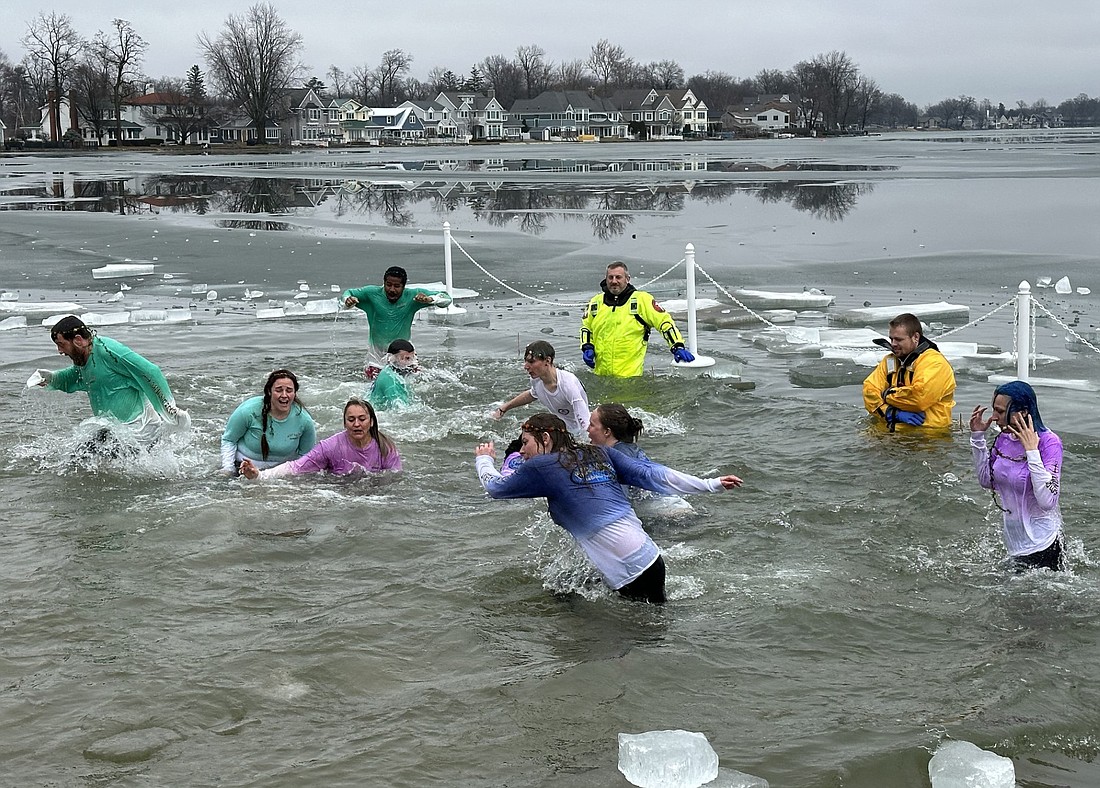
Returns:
<point x="1023" y="331"/>
<point x="692" y="342"/>
<point x="448" y="283"/>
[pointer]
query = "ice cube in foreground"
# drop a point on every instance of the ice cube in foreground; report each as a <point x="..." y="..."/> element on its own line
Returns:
<point x="731" y="778"/>
<point x="667" y="759"/>
<point x="960" y="764"/>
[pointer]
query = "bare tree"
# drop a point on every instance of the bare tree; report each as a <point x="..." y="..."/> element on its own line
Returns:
<point x="573" y="75"/>
<point x="664" y="75"/>
<point x="773" y="81"/>
<point x="120" y="52"/>
<point x="391" y="71"/>
<point x="338" y="80"/>
<point x="90" y="92"/>
<point x="363" y="80"/>
<point x="53" y="45"/>
<point x="253" y="61"/>
<point x="605" y="61"/>
<point x="505" y="76"/>
<point x="536" y="69"/>
<point x="866" y="97"/>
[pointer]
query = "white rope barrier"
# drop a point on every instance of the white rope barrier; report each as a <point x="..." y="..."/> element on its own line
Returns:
<point x="794" y="334"/>
<point x="1069" y="330"/>
<point x="536" y="299"/>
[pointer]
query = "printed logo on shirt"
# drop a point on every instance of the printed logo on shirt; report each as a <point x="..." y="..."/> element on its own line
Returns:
<point x="595" y="476"/>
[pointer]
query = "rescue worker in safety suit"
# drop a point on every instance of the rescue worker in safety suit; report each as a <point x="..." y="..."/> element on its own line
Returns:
<point x="616" y="325"/>
<point x="914" y="385"/>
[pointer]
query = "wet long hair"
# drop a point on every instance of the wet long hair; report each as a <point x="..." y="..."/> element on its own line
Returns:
<point x="1021" y="399"/>
<point x="265" y="411"/>
<point x="580" y="457"/>
<point x="615" y="417"/>
<point x="385" y="445"/>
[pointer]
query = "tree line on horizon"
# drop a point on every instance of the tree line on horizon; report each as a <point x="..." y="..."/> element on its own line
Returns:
<point x="253" y="60"/>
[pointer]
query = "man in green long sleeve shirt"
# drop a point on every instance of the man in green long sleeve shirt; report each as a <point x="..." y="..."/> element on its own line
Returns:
<point x="391" y="307"/>
<point x="120" y="383"/>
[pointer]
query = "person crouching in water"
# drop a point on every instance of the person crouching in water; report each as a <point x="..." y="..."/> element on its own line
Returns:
<point x="581" y="484"/>
<point x="390" y="388"/>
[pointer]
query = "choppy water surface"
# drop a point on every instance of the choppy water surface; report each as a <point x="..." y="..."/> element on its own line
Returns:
<point x="829" y="623"/>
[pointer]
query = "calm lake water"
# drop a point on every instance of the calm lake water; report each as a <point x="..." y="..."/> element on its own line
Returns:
<point x="829" y="624"/>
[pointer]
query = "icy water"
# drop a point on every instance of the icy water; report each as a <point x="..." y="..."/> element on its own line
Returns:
<point x="829" y="623"/>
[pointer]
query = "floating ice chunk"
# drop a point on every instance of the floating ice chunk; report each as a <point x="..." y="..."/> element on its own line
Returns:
<point x="116" y="297"/>
<point x="212" y="295"/>
<point x="1042" y="281"/>
<point x="1083" y="291"/>
<point x="334" y="288"/>
<point x="196" y="289"/>
<point x="105" y="318"/>
<point x="302" y="295"/>
<point x="122" y="286"/>
<point x="731" y="778"/>
<point x="9" y="296"/>
<point x="667" y="759"/>
<point x="304" y="287"/>
<point x="169" y="276"/>
<point x="328" y="306"/>
<point x="8" y="323"/>
<point x="1062" y="286"/>
<point x="960" y="764"/>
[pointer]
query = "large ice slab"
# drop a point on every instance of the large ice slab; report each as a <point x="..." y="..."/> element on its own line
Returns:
<point x="667" y="759"/>
<point x="40" y="307"/>
<point x="876" y="315"/>
<point x="770" y="299"/>
<point x="960" y="764"/>
<point x="119" y="270"/>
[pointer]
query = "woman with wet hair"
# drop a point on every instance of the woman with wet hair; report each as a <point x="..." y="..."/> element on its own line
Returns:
<point x="1024" y="468"/>
<point x="582" y="485"/>
<point x="360" y="448"/>
<point x="269" y="429"/>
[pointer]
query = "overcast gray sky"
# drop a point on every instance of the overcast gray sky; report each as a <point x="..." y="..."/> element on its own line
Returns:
<point x="1005" y="51"/>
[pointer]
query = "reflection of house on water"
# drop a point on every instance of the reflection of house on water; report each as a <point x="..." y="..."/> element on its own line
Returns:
<point x="393" y="192"/>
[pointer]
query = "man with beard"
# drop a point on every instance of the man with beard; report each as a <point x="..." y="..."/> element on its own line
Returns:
<point x="616" y="326"/>
<point x="914" y="385"/>
<point x="120" y="383"/>
<point x="390" y="307"/>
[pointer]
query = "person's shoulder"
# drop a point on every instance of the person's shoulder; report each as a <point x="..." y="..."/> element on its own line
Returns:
<point x="1049" y="438"/>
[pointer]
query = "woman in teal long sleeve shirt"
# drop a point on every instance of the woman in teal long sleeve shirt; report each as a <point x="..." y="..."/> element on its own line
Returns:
<point x="271" y="429"/>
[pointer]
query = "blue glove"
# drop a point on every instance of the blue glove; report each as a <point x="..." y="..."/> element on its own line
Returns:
<point x="588" y="353"/>
<point x="909" y="417"/>
<point x="682" y="354"/>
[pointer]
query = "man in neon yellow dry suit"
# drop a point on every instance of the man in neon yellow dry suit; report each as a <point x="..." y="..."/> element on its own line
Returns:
<point x="616" y="325"/>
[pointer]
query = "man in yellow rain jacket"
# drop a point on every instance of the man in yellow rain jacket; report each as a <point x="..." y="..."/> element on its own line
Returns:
<point x="616" y="325"/>
<point x="915" y="384"/>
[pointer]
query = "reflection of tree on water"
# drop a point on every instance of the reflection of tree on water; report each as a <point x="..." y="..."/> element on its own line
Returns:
<point x="831" y="201"/>
<point x="391" y="203"/>
<point x="258" y="195"/>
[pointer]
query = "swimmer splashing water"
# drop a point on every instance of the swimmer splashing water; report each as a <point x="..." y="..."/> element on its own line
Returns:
<point x="582" y="486"/>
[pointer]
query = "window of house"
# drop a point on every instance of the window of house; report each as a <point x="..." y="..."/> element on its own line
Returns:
<point x="315" y="114"/>
<point x="272" y="134"/>
<point x="649" y="116"/>
<point x="762" y="117"/>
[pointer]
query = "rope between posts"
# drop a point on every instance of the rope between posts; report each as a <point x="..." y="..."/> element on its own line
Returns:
<point x="1073" y="333"/>
<point x="530" y="297"/>
<point x="977" y="320"/>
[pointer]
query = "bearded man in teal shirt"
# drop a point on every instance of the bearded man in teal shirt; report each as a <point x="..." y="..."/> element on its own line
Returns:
<point x="391" y="307"/>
